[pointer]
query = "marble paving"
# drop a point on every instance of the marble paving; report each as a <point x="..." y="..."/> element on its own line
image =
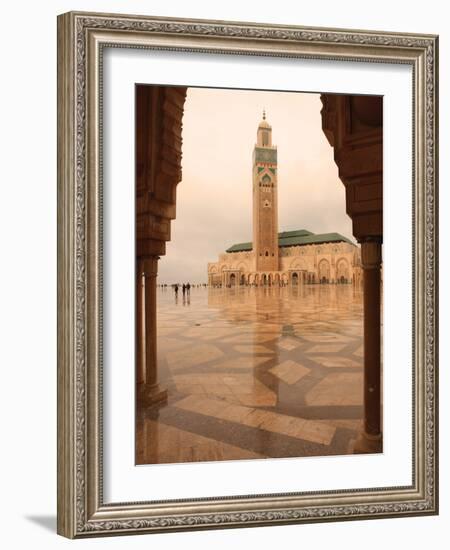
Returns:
<point x="256" y="373"/>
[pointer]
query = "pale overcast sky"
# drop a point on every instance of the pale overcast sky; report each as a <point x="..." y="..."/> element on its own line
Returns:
<point x="214" y="198"/>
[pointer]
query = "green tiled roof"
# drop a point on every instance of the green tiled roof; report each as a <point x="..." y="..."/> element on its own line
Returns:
<point x="240" y="247"/>
<point x="296" y="238"/>
<point x="297" y="233"/>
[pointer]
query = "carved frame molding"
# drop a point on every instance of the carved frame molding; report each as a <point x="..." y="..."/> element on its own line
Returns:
<point x="81" y="39"/>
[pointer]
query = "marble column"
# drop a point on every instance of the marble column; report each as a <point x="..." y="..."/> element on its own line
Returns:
<point x="371" y="439"/>
<point x="149" y="391"/>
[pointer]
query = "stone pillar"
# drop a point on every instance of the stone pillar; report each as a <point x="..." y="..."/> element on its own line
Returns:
<point x="371" y="440"/>
<point x="140" y="324"/>
<point x="149" y="391"/>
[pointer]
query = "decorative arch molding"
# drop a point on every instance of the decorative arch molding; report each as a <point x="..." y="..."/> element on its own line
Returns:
<point x="342" y="261"/>
<point x="299" y="264"/>
<point x="324" y="269"/>
<point x="241" y="266"/>
<point x="342" y="270"/>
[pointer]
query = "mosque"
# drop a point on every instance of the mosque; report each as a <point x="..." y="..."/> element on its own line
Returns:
<point x="286" y="258"/>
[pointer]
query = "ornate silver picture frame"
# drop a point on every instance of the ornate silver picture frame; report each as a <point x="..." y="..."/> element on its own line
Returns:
<point x="82" y="41"/>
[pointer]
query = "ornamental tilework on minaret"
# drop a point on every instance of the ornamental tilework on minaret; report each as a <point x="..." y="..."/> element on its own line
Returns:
<point x="265" y="200"/>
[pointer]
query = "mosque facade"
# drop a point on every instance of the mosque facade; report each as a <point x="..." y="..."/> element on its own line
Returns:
<point x="276" y="258"/>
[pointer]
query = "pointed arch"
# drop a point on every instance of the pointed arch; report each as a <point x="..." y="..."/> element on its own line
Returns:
<point x="324" y="271"/>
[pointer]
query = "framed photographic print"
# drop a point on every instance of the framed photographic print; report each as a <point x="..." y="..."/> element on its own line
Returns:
<point x="247" y="284"/>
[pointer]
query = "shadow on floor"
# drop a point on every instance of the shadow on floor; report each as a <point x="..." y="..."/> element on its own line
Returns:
<point x="46" y="522"/>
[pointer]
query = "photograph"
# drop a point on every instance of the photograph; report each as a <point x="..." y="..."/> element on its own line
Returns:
<point x="249" y="323"/>
<point x="247" y="273"/>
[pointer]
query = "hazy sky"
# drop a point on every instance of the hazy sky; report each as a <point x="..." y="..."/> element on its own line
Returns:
<point x="214" y="199"/>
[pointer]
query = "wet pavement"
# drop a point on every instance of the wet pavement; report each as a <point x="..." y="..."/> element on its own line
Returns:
<point x="256" y="373"/>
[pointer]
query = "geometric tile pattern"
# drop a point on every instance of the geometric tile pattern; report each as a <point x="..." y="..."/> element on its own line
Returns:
<point x="337" y="389"/>
<point x="289" y="371"/>
<point x="256" y="373"/>
<point x="308" y="430"/>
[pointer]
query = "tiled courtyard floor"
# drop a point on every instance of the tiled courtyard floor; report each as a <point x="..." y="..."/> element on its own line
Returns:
<point x="256" y="373"/>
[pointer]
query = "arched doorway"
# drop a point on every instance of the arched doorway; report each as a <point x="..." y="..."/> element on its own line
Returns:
<point x="324" y="271"/>
<point x="295" y="279"/>
<point x="342" y="271"/>
<point x="232" y="279"/>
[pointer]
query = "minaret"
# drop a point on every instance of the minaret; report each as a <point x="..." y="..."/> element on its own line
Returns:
<point x="265" y="200"/>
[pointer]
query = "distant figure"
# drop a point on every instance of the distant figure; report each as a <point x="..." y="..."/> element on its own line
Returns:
<point x="183" y="288"/>
<point x="188" y="288"/>
<point x="175" y="287"/>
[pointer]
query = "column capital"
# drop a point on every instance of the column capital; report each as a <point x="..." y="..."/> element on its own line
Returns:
<point x="371" y="253"/>
<point x="148" y="266"/>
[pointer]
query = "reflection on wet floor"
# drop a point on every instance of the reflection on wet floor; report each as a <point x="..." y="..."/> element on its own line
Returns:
<point x="256" y="373"/>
